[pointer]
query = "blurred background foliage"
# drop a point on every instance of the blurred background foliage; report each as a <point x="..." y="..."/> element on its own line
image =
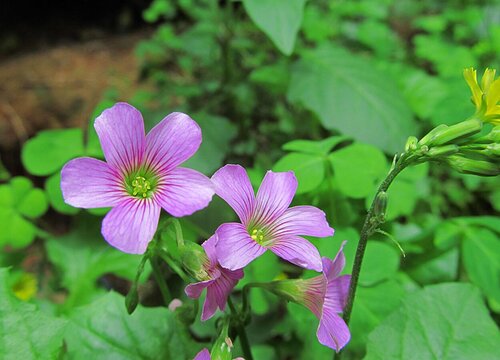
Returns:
<point x="328" y="89"/>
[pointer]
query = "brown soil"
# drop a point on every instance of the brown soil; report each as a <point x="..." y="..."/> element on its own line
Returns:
<point x="60" y="87"/>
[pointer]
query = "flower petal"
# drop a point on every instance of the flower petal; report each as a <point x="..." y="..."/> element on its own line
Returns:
<point x="90" y="183"/>
<point x="274" y="196"/>
<point x="220" y="289"/>
<point x="203" y="355"/>
<point x="302" y="220"/>
<point x="121" y="132"/>
<point x="332" y="330"/>
<point x="235" y="248"/>
<point x="174" y="140"/>
<point x="184" y="191"/>
<point x="337" y="292"/>
<point x="209" y="247"/>
<point x="298" y="251"/>
<point x="194" y="290"/>
<point x="209" y="306"/>
<point x="332" y="268"/>
<point x="131" y="225"/>
<point x="233" y="185"/>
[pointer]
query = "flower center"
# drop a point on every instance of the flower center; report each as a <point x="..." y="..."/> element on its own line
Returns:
<point x="257" y="235"/>
<point x="141" y="187"/>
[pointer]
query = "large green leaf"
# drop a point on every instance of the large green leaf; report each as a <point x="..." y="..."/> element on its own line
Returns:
<point x="358" y="169"/>
<point x="25" y="332"/>
<point x="321" y="147"/>
<point x="104" y="330"/>
<point x="278" y="19"/>
<point x="480" y="252"/>
<point x="49" y="150"/>
<point x="82" y="257"/>
<point x="309" y="169"/>
<point x="349" y="94"/>
<point x="445" y="321"/>
<point x="373" y="304"/>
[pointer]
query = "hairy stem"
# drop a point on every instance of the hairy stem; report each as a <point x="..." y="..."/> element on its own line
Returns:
<point x="372" y="221"/>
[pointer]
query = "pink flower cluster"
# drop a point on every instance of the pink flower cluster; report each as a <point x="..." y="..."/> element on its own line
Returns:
<point x="142" y="175"/>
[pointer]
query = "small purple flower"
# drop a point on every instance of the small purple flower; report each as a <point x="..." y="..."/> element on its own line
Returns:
<point x="205" y="355"/>
<point x="140" y="175"/>
<point x="219" y="282"/>
<point x="326" y="296"/>
<point x="266" y="220"/>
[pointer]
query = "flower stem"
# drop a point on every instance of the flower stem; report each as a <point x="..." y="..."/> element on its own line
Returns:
<point x="160" y="280"/>
<point x="372" y="221"/>
<point x="245" y="345"/>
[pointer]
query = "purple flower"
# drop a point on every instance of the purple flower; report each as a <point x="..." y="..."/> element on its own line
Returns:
<point x="219" y="282"/>
<point x="326" y="296"/>
<point x="205" y="355"/>
<point x="266" y="220"/>
<point x="140" y="175"/>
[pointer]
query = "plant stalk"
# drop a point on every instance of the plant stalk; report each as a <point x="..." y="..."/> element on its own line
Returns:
<point x="242" y="334"/>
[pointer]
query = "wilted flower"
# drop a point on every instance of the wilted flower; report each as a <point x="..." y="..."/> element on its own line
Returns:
<point x="486" y="96"/>
<point x="325" y="296"/>
<point x="140" y="175"/>
<point x="266" y="220"/>
<point x="218" y="281"/>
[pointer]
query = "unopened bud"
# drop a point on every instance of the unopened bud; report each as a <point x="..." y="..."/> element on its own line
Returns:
<point x="475" y="167"/>
<point x="411" y="144"/>
<point x="457" y="131"/>
<point x="494" y="134"/>
<point x="132" y="299"/>
<point x="194" y="260"/>
<point x="429" y="137"/>
<point x="221" y="350"/>
<point x="380" y="206"/>
<point x="441" y="151"/>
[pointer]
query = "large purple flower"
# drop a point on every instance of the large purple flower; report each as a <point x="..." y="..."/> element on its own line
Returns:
<point x="266" y="220"/>
<point x="140" y="175"/>
<point x="326" y="296"/>
<point x="219" y="282"/>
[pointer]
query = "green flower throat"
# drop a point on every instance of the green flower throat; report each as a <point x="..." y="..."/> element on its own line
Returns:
<point x="141" y="185"/>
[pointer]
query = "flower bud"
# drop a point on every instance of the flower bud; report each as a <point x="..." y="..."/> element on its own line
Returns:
<point x="221" y="350"/>
<point x="380" y="206"/>
<point x="457" y="131"/>
<point x="475" y="167"/>
<point x="132" y="299"/>
<point x="411" y="144"/>
<point x="432" y="134"/>
<point x="441" y="151"/>
<point x="194" y="260"/>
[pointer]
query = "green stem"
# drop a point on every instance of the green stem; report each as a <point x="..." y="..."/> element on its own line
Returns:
<point x="369" y="227"/>
<point x="242" y="334"/>
<point x="165" y="292"/>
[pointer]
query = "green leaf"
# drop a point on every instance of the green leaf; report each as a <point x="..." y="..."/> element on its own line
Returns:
<point x="439" y="269"/>
<point x="4" y="174"/>
<point x="349" y="94"/>
<point x="82" y="256"/>
<point x="373" y="304"/>
<point x="49" y="150"/>
<point x="278" y="19"/>
<point x="322" y="147"/>
<point x="309" y="170"/>
<point x="381" y="262"/>
<point x="218" y="132"/>
<point x="53" y="190"/>
<point x="25" y="332"/>
<point x="16" y="231"/>
<point x="104" y="330"/>
<point x="445" y="321"/>
<point x="480" y="250"/>
<point x="34" y="204"/>
<point x="358" y="168"/>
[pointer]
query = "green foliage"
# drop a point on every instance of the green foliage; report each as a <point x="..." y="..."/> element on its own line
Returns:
<point x="104" y="330"/>
<point x="279" y="19"/>
<point x="20" y="202"/>
<point x="349" y="94"/>
<point x="25" y="331"/>
<point x="446" y="321"/>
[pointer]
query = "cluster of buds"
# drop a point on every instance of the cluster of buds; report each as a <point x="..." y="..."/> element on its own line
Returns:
<point x="467" y="147"/>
